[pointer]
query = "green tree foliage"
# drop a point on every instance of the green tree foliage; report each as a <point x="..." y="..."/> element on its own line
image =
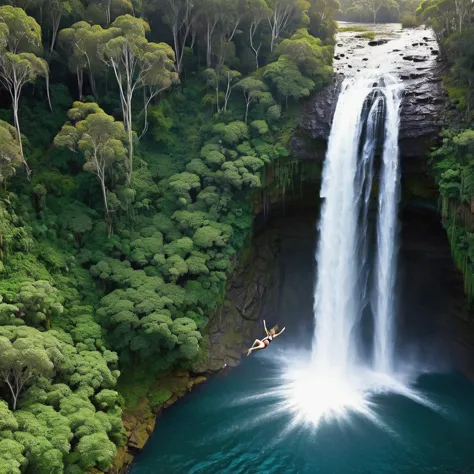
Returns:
<point x="105" y="11"/>
<point x="136" y="64"/>
<point x="257" y="13"/>
<point x="19" y="34"/>
<point x="56" y="11"/>
<point x="180" y="17"/>
<point x="451" y="22"/>
<point x="288" y="80"/>
<point x="10" y="150"/>
<point x="26" y="354"/>
<point x="81" y="298"/>
<point x="47" y="368"/>
<point x="100" y="139"/>
<point x="253" y="90"/>
<point x="38" y="303"/>
<point x="310" y="55"/>
<point x="453" y="166"/>
<point x="283" y="13"/>
<point x="373" y="7"/>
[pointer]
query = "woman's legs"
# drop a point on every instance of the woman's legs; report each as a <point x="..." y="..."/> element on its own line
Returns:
<point x="260" y="345"/>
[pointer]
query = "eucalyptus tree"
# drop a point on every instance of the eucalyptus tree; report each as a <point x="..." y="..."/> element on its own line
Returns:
<point x="105" y="11"/>
<point x="69" y="41"/>
<point x="308" y="53"/>
<point x="81" y="42"/>
<point x="137" y="64"/>
<point x="446" y="17"/>
<point x="373" y="7"/>
<point x="253" y="90"/>
<point x="26" y="355"/>
<point x="282" y="13"/>
<point x="20" y="34"/>
<point x="99" y="138"/>
<point x="180" y="16"/>
<point x="59" y="9"/>
<point x="321" y="14"/>
<point x="214" y="79"/>
<point x="209" y="15"/>
<point x="288" y="80"/>
<point x="257" y="12"/>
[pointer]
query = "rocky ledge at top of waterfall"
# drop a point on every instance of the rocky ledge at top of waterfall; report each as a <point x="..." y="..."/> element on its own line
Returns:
<point x="411" y="55"/>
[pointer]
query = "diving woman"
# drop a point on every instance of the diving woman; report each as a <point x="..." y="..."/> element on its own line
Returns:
<point x="265" y="342"/>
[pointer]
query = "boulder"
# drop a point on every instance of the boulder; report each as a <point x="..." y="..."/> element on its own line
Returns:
<point x="378" y="42"/>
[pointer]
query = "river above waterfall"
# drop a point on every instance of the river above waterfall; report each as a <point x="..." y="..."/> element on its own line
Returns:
<point x="407" y="53"/>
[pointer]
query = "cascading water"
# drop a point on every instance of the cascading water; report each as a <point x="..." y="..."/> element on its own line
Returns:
<point x="342" y="252"/>
<point x="340" y="377"/>
<point x="386" y="264"/>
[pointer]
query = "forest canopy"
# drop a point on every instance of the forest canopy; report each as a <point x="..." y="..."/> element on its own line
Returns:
<point x="132" y="136"/>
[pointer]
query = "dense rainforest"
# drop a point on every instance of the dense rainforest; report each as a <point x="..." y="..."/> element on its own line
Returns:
<point x="133" y="136"/>
<point x="452" y="163"/>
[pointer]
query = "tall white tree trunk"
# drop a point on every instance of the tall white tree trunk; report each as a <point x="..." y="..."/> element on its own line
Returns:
<point x="80" y="82"/>
<point x="208" y="45"/>
<point x="56" y="22"/>
<point x="253" y="29"/>
<point x="16" y="121"/>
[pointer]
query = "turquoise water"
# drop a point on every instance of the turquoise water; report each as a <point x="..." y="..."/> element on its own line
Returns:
<point x="232" y="423"/>
<point x="228" y="425"/>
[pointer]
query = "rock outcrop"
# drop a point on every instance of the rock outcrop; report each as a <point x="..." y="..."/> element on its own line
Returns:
<point x="410" y="55"/>
<point x="233" y="325"/>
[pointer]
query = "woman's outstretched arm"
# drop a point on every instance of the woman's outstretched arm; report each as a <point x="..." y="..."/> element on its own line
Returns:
<point x="265" y="327"/>
<point x="276" y="335"/>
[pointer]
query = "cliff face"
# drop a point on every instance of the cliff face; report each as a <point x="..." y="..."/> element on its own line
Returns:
<point x="409" y="55"/>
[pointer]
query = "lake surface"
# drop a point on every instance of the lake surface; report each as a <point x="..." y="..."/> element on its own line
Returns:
<point x="226" y="427"/>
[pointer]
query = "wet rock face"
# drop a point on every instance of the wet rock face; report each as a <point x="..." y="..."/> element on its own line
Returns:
<point x="412" y="55"/>
<point x="233" y="327"/>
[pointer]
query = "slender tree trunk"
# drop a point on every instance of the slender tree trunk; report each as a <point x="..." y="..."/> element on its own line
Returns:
<point x="104" y="195"/>
<point x="217" y="96"/>
<point x="54" y="33"/>
<point x="15" y="101"/>
<point x="177" y="50"/>
<point x="80" y="82"/>
<point x="93" y="85"/>
<point x="272" y="43"/>
<point x="228" y="92"/>
<point x="208" y="46"/>
<point x="13" y="392"/>
<point x="130" y="136"/>
<point x="107" y="12"/>
<point x="252" y="31"/>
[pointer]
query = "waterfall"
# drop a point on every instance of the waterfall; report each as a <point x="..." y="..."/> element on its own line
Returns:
<point x="342" y="255"/>
<point x="386" y="264"/>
